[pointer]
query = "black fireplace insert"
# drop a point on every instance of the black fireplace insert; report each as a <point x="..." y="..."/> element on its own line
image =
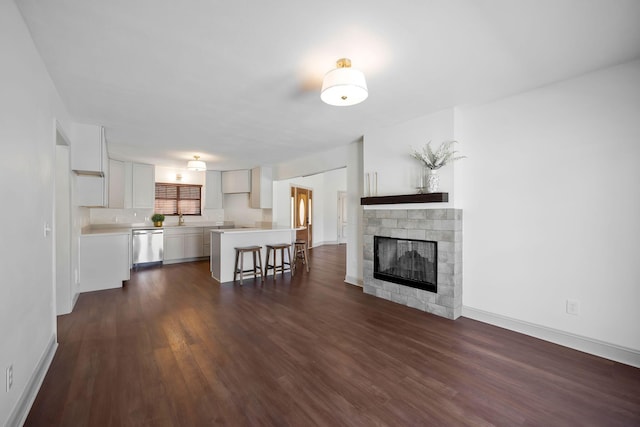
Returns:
<point x="407" y="262"/>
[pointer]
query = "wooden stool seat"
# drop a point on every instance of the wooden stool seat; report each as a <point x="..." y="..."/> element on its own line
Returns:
<point x="274" y="248"/>
<point x="301" y="251"/>
<point x="257" y="255"/>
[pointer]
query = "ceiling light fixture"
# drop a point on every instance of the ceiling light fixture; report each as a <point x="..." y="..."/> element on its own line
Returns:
<point x="344" y="85"/>
<point x="196" y="165"/>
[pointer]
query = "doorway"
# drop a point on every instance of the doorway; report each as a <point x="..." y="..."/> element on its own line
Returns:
<point x="302" y="213"/>
<point x="62" y="228"/>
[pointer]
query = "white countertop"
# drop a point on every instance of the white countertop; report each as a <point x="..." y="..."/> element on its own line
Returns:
<point x="250" y="230"/>
<point x="101" y="229"/>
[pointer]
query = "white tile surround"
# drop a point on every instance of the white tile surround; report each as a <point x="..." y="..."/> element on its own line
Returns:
<point x="441" y="225"/>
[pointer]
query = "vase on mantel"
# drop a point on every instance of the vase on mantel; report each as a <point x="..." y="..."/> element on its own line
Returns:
<point x="433" y="181"/>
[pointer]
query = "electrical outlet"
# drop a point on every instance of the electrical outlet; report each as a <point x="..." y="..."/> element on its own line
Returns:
<point x="9" y="377"/>
<point x="573" y="307"/>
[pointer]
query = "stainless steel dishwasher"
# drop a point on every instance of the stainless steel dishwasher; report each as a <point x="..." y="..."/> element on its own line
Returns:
<point x="148" y="246"/>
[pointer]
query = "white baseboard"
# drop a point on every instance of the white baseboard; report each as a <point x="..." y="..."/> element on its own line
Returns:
<point x="75" y="300"/>
<point x="353" y="281"/>
<point x="326" y="242"/>
<point x="21" y="410"/>
<point x="609" y="351"/>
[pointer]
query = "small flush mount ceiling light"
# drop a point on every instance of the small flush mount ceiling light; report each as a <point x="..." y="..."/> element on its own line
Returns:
<point x="344" y="85"/>
<point x="196" y="165"/>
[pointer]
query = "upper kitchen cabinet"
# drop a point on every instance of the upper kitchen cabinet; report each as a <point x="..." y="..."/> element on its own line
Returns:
<point x="89" y="150"/>
<point x="131" y="185"/>
<point x="144" y="186"/>
<point x="91" y="191"/>
<point x="117" y="184"/>
<point x="238" y="181"/>
<point x="261" y="188"/>
<point x="213" y="190"/>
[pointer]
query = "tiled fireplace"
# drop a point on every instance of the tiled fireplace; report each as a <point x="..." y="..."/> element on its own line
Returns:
<point x="410" y="231"/>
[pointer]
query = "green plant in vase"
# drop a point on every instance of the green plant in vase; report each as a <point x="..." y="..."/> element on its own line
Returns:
<point x="157" y="219"/>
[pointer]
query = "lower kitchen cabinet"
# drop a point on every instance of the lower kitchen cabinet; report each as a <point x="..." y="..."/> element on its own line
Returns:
<point x="173" y="247"/>
<point x="105" y="261"/>
<point x="193" y="245"/>
<point x="183" y="243"/>
<point x="206" y="241"/>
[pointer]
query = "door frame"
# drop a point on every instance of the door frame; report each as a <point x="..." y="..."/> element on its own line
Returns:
<point x="62" y="225"/>
<point x="293" y="211"/>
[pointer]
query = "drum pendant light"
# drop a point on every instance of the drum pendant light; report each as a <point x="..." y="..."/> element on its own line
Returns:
<point x="196" y="165"/>
<point x="344" y="86"/>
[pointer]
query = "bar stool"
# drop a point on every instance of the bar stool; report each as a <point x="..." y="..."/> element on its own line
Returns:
<point x="240" y="251"/>
<point x="301" y="252"/>
<point x="275" y="247"/>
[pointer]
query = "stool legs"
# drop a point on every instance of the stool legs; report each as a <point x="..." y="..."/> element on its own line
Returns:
<point x="301" y="252"/>
<point x="284" y="260"/>
<point x="235" y="269"/>
<point x="257" y="263"/>
<point x="305" y="256"/>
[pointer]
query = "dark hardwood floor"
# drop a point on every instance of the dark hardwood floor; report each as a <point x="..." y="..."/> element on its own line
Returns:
<point x="174" y="348"/>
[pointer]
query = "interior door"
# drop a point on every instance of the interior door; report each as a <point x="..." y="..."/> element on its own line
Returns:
<point x="302" y="213"/>
<point x="342" y="217"/>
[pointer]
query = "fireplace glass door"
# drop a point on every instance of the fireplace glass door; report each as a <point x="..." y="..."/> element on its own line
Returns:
<point x="407" y="262"/>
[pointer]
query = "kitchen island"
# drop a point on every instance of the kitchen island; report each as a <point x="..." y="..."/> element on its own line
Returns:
<point x="223" y="242"/>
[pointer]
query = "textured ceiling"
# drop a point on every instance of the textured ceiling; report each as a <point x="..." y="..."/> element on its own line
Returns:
<point x="238" y="82"/>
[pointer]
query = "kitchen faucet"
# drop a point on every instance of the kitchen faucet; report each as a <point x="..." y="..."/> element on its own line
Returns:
<point x="180" y="219"/>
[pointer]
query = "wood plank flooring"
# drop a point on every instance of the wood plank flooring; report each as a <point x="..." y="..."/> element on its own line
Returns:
<point x="174" y="348"/>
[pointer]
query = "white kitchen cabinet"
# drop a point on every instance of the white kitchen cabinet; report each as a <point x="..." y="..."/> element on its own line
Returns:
<point x="89" y="150"/>
<point x="193" y="245"/>
<point x="261" y="188"/>
<point x="143" y="192"/>
<point x="89" y="159"/>
<point x="238" y="181"/>
<point x="206" y="241"/>
<point x="183" y="243"/>
<point x="173" y="247"/>
<point x="116" y="184"/>
<point x="90" y="191"/>
<point x="105" y="261"/>
<point x="213" y="190"/>
<point x="131" y="185"/>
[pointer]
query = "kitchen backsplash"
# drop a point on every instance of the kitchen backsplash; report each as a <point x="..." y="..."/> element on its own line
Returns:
<point x="142" y="216"/>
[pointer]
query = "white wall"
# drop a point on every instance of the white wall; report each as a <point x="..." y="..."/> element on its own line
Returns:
<point x="334" y="181"/>
<point x="325" y="188"/>
<point x="237" y="210"/>
<point x="551" y="196"/>
<point x="29" y="106"/>
<point x="349" y="156"/>
<point x="355" y="239"/>
<point x="64" y="282"/>
<point x="282" y="203"/>
<point x="312" y="164"/>
<point x="387" y="153"/>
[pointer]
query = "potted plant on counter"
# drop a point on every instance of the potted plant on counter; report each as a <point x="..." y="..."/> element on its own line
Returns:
<point x="157" y="219"/>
